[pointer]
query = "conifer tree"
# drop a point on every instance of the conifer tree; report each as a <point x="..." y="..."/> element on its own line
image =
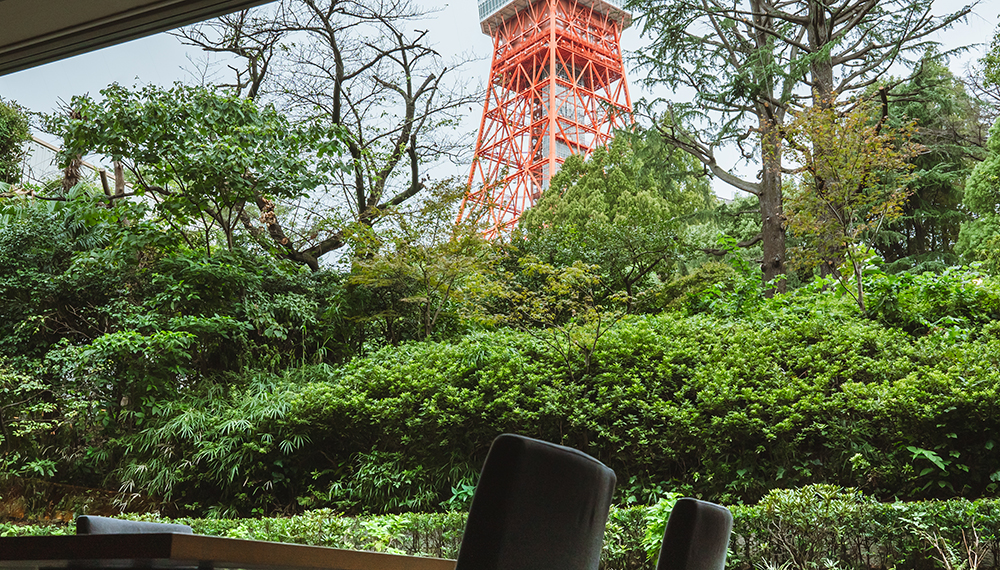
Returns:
<point x="749" y="61"/>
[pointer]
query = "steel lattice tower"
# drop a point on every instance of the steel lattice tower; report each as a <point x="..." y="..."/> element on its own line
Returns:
<point x="557" y="87"/>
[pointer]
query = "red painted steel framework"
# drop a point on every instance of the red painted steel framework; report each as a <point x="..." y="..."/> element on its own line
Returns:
<point x="557" y="87"/>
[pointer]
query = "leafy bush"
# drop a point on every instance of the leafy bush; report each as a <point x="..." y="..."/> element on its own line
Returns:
<point x="24" y="407"/>
<point x="815" y="527"/>
<point x="823" y="526"/>
<point x="693" y="291"/>
<point x="958" y="300"/>
<point x="115" y="322"/>
<point x="13" y="134"/>
<point x="438" y="535"/>
<point x="716" y="408"/>
<point x="221" y="384"/>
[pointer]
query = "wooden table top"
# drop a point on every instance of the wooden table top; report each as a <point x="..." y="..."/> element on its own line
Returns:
<point x="169" y="551"/>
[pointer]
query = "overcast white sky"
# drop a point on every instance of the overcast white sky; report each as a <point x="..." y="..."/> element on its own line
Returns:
<point x="453" y="29"/>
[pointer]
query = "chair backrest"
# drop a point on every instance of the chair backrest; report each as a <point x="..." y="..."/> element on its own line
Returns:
<point x="538" y="506"/>
<point x="87" y="524"/>
<point x="697" y="537"/>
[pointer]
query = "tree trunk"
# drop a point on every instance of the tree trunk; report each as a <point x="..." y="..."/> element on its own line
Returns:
<point x="71" y="174"/>
<point x="771" y="215"/>
<point x="821" y="75"/>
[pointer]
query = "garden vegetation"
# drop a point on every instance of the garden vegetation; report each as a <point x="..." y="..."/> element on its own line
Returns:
<point x="222" y="337"/>
<point x="817" y="526"/>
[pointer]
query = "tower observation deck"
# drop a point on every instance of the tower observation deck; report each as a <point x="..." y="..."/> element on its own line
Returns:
<point x="556" y="87"/>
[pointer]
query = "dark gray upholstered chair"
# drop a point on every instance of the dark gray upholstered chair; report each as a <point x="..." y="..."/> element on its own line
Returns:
<point x="538" y="506"/>
<point x="87" y="524"/>
<point x="697" y="537"/>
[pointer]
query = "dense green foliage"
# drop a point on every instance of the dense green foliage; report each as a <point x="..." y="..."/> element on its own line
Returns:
<point x="169" y="341"/>
<point x="412" y="275"/>
<point x="800" y="390"/>
<point x="212" y="162"/>
<point x="924" y="236"/>
<point x="111" y="319"/>
<point x="13" y="134"/>
<point x="715" y="409"/>
<point x="991" y="61"/>
<point x="979" y="239"/>
<point x="815" y="527"/>
<point x="624" y="209"/>
<point x="229" y="383"/>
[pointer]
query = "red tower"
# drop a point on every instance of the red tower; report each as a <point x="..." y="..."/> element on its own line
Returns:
<point x="557" y="87"/>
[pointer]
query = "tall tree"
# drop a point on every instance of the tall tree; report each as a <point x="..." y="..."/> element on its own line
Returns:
<point x="991" y="61"/>
<point x="947" y="127"/>
<point x="748" y="60"/>
<point x="356" y="65"/>
<point x="13" y="134"/>
<point x="853" y="179"/>
<point x="209" y="160"/>
<point x="984" y="81"/>
<point x="980" y="237"/>
<point x="413" y="273"/>
<point x="623" y="209"/>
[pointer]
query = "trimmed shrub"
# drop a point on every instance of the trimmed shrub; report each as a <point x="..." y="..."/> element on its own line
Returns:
<point x="816" y="527"/>
<point x="726" y="410"/>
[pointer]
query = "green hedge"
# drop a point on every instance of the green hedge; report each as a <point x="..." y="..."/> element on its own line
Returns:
<point x="724" y="404"/>
<point x="822" y="526"/>
<point x="814" y="527"/>
<point x="722" y="409"/>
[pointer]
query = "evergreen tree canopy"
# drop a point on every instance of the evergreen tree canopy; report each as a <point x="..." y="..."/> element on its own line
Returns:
<point x="13" y="134"/>
<point x="924" y="236"/>
<point x="622" y="209"/>
<point x="979" y="238"/>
